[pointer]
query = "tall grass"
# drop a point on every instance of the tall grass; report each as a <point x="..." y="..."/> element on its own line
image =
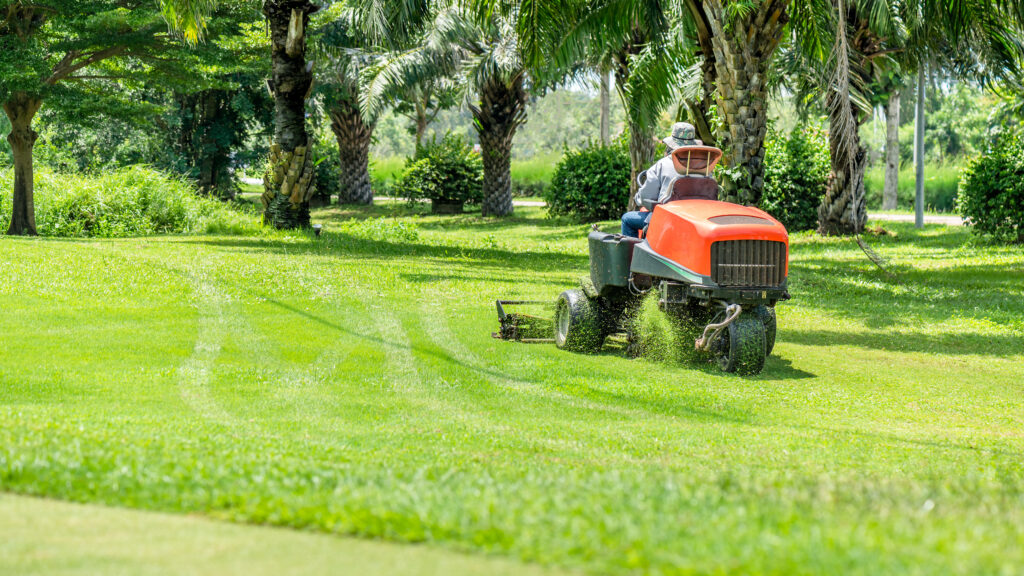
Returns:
<point x="387" y="169"/>
<point x="134" y="201"/>
<point x="538" y="169"/>
<point x="940" y="187"/>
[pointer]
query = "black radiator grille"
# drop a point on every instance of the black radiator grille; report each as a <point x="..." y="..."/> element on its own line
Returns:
<point x="760" y="263"/>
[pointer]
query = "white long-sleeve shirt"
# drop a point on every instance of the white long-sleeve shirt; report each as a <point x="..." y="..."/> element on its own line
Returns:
<point x="659" y="182"/>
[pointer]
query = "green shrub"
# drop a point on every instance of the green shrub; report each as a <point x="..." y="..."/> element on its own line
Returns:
<point x="991" y="197"/>
<point x="133" y="201"/>
<point x="446" y="172"/>
<point x="590" y="184"/>
<point x="796" y="176"/>
<point x="327" y="166"/>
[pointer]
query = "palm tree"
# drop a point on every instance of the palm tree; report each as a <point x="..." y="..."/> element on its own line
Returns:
<point x="715" y="52"/>
<point x="344" y="48"/>
<point x="980" y="41"/>
<point x="485" y="50"/>
<point x="289" y="181"/>
<point x="740" y="39"/>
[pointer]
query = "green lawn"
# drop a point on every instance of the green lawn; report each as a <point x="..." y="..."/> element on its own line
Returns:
<point x="350" y="385"/>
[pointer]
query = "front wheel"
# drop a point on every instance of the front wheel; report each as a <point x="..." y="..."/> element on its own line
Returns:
<point x="767" y="315"/>
<point x="577" y="322"/>
<point x="740" y="348"/>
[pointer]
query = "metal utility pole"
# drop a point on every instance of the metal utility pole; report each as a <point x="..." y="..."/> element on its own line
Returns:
<point x="605" y="107"/>
<point x="919" y="151"/>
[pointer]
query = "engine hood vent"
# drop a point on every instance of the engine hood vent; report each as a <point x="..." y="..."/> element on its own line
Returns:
<point x="734" y="220"/>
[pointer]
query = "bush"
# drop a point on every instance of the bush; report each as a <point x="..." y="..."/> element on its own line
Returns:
<point x="327" y="165"/>
<point x="448" y="173"/>
<point x="991" y="197"/>
<point x="796" y="176"/>
<point x="134" y="201"/>
<point x="590" y="184"/>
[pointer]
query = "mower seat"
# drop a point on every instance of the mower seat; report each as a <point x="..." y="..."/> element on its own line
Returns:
<point x="694" y="187"/>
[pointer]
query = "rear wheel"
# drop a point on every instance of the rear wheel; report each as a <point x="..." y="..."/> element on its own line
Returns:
<point x="577" y="322"/>
<point x="767" y="316"/>
<point x="740" y="348"/>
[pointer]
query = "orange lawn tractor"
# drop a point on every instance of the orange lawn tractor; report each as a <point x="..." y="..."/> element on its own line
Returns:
<point x="717" y="268"/>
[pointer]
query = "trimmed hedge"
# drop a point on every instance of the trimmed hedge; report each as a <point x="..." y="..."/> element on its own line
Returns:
<point x="590" y="184"/>
<point x="991" y="196"/>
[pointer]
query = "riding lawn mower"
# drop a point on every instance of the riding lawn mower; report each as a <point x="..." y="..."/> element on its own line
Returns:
<point x="717" y="268"/>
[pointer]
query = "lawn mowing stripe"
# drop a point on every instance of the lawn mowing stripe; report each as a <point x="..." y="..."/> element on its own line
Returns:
<point x="435" y="324"/>
<point x="194" y="374"/>
<point x="402" y="369"/>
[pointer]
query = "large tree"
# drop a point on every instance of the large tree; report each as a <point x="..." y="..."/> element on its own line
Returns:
<point x="47" y="50"/>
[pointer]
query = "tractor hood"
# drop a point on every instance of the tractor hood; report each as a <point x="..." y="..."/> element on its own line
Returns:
<point x="683" y="231"/>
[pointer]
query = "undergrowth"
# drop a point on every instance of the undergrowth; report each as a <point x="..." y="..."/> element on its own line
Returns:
<point x="135" y="201"/>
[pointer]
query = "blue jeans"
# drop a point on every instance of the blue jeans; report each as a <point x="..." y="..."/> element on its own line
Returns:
<point x="633" y="222"/>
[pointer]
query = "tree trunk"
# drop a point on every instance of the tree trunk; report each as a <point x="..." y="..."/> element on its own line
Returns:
<point x="743" y="50"/>
<point x="605" y="108"/>
<point x="642" y="145"/>
<point x="502" y="110"/>
<point x="892" y="152"/>
<point x="207" y="144"/>
<point x="354" y="137"/>
<point x="20" y="110"/>
<point x="421" y="120"/>
<point x="642" y="148"/>
<point x="289" y="181"/>
<point x="843" y="209"/>
<point x="700" y="111"/>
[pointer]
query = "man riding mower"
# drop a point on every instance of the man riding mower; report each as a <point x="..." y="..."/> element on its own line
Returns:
<point x="717" y="268"/>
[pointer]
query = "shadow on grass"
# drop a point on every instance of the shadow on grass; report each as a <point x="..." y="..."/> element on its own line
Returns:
<point x="884" y="438"/>
<point x="340" y="244"/>
<point x="958" y="344"/>
<point x="858" y="290"/>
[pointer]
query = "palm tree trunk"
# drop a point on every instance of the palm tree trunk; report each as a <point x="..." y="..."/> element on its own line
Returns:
<point x="354" y="137"/>
<point x="501" y="111"/>
<point x="20" y="110"/>
<point x="642" y="145"/>
<point x="289" y="181"/>
<point x="843" y="210"/>
<point x="642" y="148"/>
<point x="742" y="53"/>
<point x="892" y="152"/>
